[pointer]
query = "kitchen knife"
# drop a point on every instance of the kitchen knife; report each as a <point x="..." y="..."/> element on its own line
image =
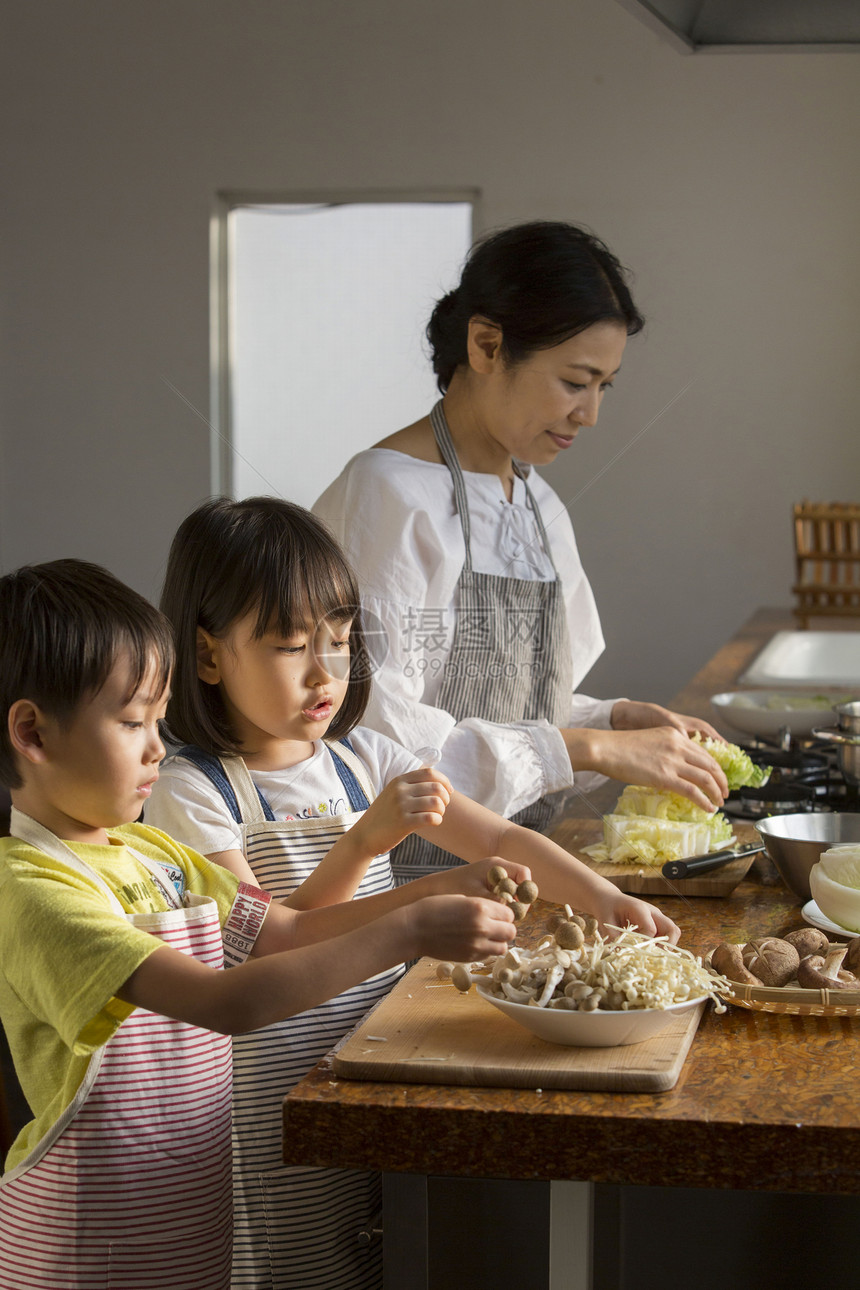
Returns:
<point x="701" y="864"/>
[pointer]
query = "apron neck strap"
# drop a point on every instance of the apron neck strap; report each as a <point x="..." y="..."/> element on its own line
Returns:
<point x="446" y="447"/>
<point x="31" y="831"/>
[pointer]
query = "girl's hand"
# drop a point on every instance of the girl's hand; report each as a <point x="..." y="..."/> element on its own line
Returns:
<point x="619" y="909"/>
<point x="467" y="879"/>
<point x="413" y="801"/>
<point x="460" y="928"/>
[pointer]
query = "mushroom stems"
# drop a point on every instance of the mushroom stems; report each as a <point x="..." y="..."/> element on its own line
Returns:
<point x="833" y="961"/>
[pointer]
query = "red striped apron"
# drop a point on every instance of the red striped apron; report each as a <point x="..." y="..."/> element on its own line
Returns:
<point x="131" y="1186"/>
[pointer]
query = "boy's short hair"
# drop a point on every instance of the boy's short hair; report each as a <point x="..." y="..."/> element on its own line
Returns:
<point x="62" y="626"/>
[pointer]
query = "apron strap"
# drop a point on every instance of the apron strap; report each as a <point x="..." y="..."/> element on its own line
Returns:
<point x="352" y="774"/>
<point x="446" y="447"/>
<point x="29" y="830"/>
<point x="243" y="799"/>
<point x="246" y="802"/>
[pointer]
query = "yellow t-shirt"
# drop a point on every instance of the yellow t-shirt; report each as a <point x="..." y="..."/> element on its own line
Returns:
<point x="64" y="953"/>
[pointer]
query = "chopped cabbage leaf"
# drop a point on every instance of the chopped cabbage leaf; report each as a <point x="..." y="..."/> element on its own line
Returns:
<point x="738" y="767"/>
<point x="660" y="804"/>
<point x="652" y="841"/>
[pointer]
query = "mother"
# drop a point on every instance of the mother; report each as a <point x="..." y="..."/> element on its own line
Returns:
<point x="468" y="558"/>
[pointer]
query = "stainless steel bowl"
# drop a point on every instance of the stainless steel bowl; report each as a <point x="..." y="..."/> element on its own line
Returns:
<point x="795" y="842"/>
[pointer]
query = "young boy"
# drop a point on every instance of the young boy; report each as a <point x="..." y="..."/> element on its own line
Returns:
<point x="111" y="937"/>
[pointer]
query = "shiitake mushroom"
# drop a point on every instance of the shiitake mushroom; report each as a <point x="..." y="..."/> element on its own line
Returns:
<point x="825" y="972"/>
<point x="772" y="960"/>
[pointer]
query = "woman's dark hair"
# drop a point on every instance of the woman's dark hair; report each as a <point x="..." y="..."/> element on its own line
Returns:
<point x="262" y="556"/>
<point x="541" y="283"/>
<point x="62" y="627"/>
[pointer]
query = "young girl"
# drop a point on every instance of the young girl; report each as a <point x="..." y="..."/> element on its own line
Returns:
<point x="272" y="659"/>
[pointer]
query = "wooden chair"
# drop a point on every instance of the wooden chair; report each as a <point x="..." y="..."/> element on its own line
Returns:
<point x="827" y="560"/>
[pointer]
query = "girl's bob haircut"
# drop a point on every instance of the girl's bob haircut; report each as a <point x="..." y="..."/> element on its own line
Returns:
<point x="63" y="627"/>
<point x="261" y="556"/>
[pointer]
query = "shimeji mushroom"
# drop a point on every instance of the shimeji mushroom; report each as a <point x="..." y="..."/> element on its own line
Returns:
<point x="517" y="897"/>
<point x="461" y="977"/>
<point x="569" y="936"/>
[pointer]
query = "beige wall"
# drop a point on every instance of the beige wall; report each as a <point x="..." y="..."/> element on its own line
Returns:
<point x="728" y="182"/>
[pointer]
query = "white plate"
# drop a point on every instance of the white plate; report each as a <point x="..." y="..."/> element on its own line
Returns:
<point x="766" y="712"/>
<point x="807" y="658"/>
<point x="813" y="915"/>
<point x="589" y="1029"/>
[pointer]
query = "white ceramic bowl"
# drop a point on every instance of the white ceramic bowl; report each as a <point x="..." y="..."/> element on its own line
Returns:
<point x="766" y="712"/>
<point x="588" y="1029"/>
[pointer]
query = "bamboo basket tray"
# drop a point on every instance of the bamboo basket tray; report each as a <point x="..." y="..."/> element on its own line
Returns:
<point x="793" y="1001"/>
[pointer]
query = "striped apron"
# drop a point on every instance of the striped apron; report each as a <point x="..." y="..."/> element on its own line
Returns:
<point x="296" y="1227"/>
<point x="131" y="1186"/>
<point x="509" y="660"/>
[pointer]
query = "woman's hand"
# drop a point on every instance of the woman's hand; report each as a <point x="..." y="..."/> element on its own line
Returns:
<point x="657" y="757"/>
<point x="618" y="909"/>
<point x="629" y="714"/>
<point x="417" y="800"/>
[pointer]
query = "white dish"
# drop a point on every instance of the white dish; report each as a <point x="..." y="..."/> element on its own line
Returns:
<point x="766" y="712"/>
<point x="589" y="1029"/>
<point x="807" y="658"/>
<point x="814" y="916"/>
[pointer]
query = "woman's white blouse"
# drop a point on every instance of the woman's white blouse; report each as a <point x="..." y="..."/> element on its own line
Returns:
<point x="395" y="517"/>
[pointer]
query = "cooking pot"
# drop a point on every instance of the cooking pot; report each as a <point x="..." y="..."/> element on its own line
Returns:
<point x="848" y="717"/>
<point x="847" y="749"/>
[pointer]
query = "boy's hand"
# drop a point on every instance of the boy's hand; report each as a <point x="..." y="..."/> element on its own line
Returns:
<point x="460" y="928"/>
<point x="413" y="801"/>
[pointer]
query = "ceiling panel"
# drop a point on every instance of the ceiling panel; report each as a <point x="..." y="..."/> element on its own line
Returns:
<point x="701" y="25"/>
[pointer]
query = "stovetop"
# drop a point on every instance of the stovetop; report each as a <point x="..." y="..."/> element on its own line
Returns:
<point x="804" y="777"/>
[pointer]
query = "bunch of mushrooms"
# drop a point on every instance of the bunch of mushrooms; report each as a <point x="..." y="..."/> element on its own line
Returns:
<point x="805" y="957"/>
<point x="571" y="972"/>
<point x="517" y="895"/>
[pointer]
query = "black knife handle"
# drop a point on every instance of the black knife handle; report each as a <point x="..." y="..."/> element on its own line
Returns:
<point x="701" y="864"/>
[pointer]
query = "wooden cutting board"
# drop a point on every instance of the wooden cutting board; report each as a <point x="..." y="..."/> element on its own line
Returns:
<point x="427" y="1032"/>
<point x="575" y="834"/>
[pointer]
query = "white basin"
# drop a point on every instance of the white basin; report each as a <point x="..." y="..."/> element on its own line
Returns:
<point x="807" y="658"/>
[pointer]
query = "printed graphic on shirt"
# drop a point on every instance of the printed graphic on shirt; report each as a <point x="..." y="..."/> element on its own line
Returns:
<point x="137" y="893"/>
<point x="332" y="806"/>
<point x="175" y="874"/>
<point x="141" y="892"/>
